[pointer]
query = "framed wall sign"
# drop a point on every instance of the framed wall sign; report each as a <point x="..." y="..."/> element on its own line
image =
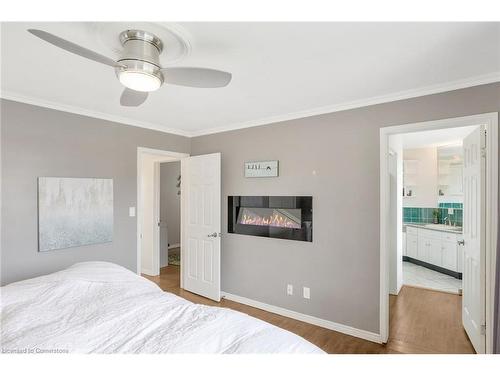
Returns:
<point x="261" y="168"/>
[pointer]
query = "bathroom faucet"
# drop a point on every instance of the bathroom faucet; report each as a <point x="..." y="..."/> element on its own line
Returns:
<point x="449" y="221"/>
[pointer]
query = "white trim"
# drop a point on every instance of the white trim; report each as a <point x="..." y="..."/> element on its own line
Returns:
<point x="174" y="246"/>
<point x="490" y="120"/>
<point x="138" y="215"/>
<point x="156" y="218"/>
<point x="183" y="213"/>
<point x="384" y="259"/>
<point x="407" y="94"/>
<point x="148" y="272"/>
<point x="491" y="224"/>
<point x="172" y="154"/>
<point x="10" y="95"/>
<point x="149" y="151"/>
<point x="348" y="330"/>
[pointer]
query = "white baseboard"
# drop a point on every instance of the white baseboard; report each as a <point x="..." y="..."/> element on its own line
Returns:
<point x="366" y="335"/>
<point x="174" y="245"/>
<point x="148" y="272"/>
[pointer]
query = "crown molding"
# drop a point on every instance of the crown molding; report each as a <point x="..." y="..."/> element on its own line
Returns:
<point x="10" y="95"/>
<point x="407" y="94"/>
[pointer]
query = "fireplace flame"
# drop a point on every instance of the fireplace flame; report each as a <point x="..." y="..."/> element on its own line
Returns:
<point x="274" y="220"/>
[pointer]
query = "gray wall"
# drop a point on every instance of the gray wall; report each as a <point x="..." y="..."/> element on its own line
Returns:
<point x="335" y="158"/>
<point x="170" y="202"/>
<point x="43" y="142"/>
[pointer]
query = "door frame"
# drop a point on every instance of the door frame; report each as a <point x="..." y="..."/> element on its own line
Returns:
<point x="171" y="156"/>
<point x="490" y="120"/>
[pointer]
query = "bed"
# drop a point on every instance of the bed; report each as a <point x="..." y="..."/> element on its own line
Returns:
<point x="100" y="307"/>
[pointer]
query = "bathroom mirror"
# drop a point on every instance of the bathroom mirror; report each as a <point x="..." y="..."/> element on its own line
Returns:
<point x="450" y="168"/>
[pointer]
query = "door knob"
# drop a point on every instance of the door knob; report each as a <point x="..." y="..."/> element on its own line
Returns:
<point x="461" y="242"/>
<point x="214" y="234"/>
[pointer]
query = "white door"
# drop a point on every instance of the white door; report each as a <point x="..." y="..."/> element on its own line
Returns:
<point x="473" y="301"/>
<point x="201" y="224"/>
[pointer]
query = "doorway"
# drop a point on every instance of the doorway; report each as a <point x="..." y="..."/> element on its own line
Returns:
<point x="152" y="251"/>
<point x="429" y="210"/>
<point x="170" y="215"/>
<point x="197" y="193"/>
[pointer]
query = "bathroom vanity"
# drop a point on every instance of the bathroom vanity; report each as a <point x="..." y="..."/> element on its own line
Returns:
<point x="435" y="246"/>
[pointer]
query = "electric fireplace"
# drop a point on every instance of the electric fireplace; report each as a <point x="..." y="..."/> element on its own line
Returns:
<point x="286" y="217"/>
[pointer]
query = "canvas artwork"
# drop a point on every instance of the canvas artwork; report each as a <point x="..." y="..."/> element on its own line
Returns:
<point x="74" y="212"/>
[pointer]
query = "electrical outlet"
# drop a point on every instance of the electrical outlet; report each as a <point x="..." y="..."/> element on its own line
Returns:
<point x="450" y="211"/>
<point x="289" y="289"/>
<point x="131" y="211"/>
<point x="307" y="293"/>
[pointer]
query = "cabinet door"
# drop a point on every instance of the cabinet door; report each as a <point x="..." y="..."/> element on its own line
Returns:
<point x="411" y="245"/>
<point x="450" y="255"/>
<point x="423" y="249"/>
<point x="435" y="252"/>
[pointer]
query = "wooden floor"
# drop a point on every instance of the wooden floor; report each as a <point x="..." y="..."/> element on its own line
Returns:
<point x="421" y="321"/>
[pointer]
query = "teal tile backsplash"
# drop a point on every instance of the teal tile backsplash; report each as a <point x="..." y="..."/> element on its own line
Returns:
<point x="424" y="215"/>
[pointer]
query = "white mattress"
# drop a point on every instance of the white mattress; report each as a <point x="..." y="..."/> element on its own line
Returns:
<point x="99" y="307"/>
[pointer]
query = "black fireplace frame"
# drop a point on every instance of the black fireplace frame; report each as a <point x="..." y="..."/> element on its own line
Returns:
<point x="304" y="203"/>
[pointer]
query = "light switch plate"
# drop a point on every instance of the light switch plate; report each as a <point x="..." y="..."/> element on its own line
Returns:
<point x="307" y="293"/>
<point x="131" y="211"/>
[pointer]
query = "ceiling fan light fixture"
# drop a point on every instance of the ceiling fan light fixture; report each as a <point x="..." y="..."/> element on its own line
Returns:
<point x="139" y="81"/>
<point x="139" y="68"/>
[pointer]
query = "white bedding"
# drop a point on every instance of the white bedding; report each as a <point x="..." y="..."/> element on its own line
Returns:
<point x="99" y="307"/>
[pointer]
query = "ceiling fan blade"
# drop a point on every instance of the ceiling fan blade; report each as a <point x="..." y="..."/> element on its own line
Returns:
<point x="196" y="77"/>
<point x="73" y="48"/>
<point x="131" y="98"/>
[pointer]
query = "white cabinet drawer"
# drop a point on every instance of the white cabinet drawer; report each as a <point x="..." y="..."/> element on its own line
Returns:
<point x="429" y="233"/>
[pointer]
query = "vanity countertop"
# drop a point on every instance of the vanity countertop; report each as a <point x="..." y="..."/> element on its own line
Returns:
<point x="436" y="227"/>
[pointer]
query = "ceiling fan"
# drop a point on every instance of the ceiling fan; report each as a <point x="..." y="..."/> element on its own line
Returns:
<point x="139" y="69"/>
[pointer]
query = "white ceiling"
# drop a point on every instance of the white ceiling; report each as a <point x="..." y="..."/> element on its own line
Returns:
<point x="280" y="70"/>
<point x="436" y="138"/>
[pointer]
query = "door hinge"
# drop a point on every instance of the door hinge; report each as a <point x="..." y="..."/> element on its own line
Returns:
<point x="483" y="329"/>
<point x="483" y="144"/>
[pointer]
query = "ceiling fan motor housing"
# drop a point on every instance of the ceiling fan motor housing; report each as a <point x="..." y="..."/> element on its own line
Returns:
<point x="141" y="54"/>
